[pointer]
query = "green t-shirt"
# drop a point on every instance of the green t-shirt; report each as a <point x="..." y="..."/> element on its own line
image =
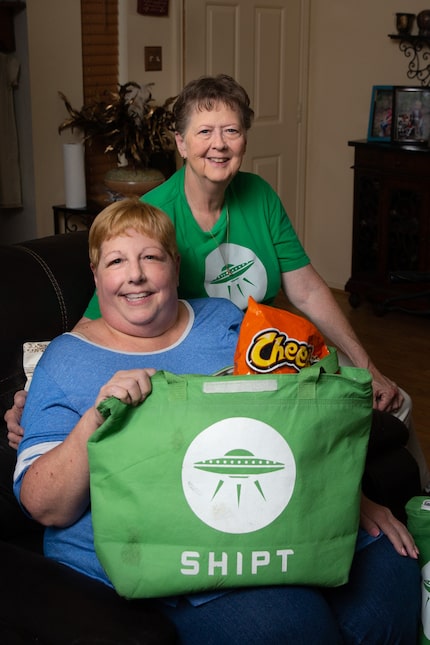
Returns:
<point x="251" y="244"/>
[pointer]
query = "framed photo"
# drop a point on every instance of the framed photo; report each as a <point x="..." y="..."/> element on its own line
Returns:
<point x="411" y="115"/>
<point x="381" y="111"/>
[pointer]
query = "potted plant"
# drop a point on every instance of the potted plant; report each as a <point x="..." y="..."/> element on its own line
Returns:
<point x="131" y="125"/>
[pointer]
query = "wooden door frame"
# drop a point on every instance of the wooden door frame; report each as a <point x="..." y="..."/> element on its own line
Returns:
<point x="302" y="117"/>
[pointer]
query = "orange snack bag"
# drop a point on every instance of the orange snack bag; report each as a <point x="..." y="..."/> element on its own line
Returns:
<point x="275" y="340"/>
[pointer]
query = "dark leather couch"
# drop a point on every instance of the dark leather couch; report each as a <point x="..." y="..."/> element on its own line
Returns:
<point x="46" y="285"/>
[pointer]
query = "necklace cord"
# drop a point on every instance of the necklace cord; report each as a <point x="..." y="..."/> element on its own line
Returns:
<point x="226" y="264"/>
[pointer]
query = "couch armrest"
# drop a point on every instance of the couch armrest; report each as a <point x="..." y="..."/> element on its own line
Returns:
<point x="45" y="285"/>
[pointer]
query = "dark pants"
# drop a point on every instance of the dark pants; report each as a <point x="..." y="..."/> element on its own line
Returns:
<point x="47" y="603"/>
<point x="391" y="475"/>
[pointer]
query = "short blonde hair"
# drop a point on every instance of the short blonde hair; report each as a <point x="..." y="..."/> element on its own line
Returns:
<point x="119" y="216"/>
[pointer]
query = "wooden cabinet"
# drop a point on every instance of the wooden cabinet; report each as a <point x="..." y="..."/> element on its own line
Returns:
<point x="391" y="225"/>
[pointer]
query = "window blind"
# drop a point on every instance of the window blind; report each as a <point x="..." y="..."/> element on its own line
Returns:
<point x="99" y="24"/>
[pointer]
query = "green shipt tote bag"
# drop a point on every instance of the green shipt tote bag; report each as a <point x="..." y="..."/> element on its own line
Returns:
<point x="221" y="482"/>
<point x="418" y="512"/>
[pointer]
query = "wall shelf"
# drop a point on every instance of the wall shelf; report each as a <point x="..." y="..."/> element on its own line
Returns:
<point x="417" y="49"/>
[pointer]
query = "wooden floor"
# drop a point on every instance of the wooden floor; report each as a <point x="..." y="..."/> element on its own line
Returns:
<point x="399" y="345"/>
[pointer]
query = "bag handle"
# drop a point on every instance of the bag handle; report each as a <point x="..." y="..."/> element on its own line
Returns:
<point x="307" y="379"/>
<point x="307" y="383"/>
<point x="309" y="376"/>
<point x="330" y="363"/>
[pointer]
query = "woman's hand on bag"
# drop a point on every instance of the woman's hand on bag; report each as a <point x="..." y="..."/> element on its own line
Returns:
<point x="129" y="386"/>
<point x="15" y="432"/>
<point x="386" y="394"/>
<point x="375" y="518"/>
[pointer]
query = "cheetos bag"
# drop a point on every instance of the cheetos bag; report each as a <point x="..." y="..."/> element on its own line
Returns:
<point x="216" y="482"/>
<point x="276" y="340"/>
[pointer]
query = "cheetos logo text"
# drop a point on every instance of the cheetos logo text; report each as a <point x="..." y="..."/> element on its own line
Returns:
<point x="271" y="349"/>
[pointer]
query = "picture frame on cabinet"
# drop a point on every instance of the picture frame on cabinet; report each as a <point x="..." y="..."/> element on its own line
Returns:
<point x="381" y="111"/>
<point x="411" y="115"/>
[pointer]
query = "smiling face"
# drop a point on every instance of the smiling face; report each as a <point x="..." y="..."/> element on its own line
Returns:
<point x="213" y="143"/>
<point x="136" y="282"/>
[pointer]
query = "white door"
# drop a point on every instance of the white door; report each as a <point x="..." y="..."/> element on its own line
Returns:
<point x="263" y="45"/>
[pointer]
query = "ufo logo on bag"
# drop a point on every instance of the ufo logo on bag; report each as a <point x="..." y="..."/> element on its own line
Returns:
<point x="238" y="489"/>
<point x="239" y="464"/>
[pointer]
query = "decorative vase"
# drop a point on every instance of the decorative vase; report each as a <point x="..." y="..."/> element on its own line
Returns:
<point x="129" y="181"/>
<point x="423" y="22"/>
<point x="404" y="22"/>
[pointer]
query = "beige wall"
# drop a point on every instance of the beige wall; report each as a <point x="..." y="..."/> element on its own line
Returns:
<point x="55" y="63"/>
<point x="349" y="52"/>
<point x="138" y="32"/>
